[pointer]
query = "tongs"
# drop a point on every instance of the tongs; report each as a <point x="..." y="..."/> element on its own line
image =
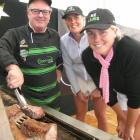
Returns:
<point x="27" y="110"/>
<point x="20" y="97"/>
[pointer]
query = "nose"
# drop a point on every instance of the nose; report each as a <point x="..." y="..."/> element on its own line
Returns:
<point x="72" y="20"/>
<point x="97" y="37"/>
<point x="40" y="14"/>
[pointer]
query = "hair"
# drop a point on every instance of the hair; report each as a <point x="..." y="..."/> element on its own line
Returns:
<point x="119" y="34"/>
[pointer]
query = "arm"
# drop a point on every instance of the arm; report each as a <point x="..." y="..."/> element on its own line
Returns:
<point x="130" y="58"/>
<point x="14" y="77"/>
<point x="59" y="75"/>
<point x="7" y="49"/>
<point x="59" y="62"/>
<point x="68" y="69"/>
<point x="8" y="62"/>
<point x="121" y="119"/>
<point x="132" y="117"/>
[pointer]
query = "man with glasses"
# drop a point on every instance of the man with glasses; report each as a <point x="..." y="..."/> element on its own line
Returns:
<point x="31" y="58"/>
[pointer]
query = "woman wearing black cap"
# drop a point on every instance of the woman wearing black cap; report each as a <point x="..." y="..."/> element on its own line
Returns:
<point x="72" y="44"/>
<point x="113" y="61"/>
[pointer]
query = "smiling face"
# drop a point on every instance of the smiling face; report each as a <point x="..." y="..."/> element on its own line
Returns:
<point x="75" y="23"/>
<point x="39" y="15"/>
<point x="101" y="40"/>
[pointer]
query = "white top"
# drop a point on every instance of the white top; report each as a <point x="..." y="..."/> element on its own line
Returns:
<point x="71" y="53"/>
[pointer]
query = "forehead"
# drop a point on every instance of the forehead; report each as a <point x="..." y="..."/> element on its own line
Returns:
<point x="73" y="15"/>
<point x="95" y="30"/>
<point x="39" y="4"/>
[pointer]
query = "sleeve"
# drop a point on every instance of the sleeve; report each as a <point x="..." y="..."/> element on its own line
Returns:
<point x="59" y="60"/>
<point x="131" y="69"/>
<point x="68" y="68"/>
<point x="7" y="49"/>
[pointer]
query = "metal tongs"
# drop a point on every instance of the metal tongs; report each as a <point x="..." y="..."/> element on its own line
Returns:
<point x="20" y="97"/>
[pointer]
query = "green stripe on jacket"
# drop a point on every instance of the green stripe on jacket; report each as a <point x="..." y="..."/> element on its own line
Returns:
<point x="41" y="89"/>
<point x="44" y="101"/>
<point x="44" y="50"/>
<point x="37" y="71"/>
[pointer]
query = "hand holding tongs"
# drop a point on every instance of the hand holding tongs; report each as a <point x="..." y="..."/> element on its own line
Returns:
<point x="20" y="97"/>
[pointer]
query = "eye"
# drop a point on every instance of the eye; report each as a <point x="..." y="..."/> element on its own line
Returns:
<point x="46" y="12"/>
<point x="38" y="11"/>
<point x="103" y="31"/>
<point x="35" y="11"/>
<point x="90" y="33"/>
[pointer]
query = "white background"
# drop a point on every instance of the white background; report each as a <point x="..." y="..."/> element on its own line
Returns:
<point x="126" y="12"/>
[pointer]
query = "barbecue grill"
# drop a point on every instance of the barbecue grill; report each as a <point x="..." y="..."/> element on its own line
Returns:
<point x="68" y="127"/>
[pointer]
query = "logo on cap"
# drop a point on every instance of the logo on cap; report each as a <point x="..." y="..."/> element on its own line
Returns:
<point x="70" y="9"/>
<point x="93" y="17"/>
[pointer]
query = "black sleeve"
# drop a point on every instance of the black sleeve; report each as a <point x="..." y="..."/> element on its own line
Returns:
<point x="7" y="49"/>
<point x="131" y="64"/>
<point x="59" y="60"/>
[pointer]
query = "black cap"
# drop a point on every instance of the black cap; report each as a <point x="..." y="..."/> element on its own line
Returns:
<point x="49" y="2"/>
<point x="72" y="10"/>
<point x="99" y="19"/>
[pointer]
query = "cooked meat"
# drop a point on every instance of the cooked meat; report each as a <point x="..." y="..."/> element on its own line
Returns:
<point x="32" y="128"/>
<point x="34" y="112"/>
<point x="29" y="129"/>
<point x="52" y="133"/>
<point x="13" y="110"/>
<point x="17" y="134"/>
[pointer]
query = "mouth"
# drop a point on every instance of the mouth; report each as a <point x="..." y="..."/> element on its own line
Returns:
<point x="98" y="46"/>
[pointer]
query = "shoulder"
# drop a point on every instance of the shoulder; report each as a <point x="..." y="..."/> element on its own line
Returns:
<point x="87" y="54"/>
<point x="129" y="44"/>
<point x="129" y="41"/>
<point x="53" y="32"/>
<point x="18" y="30"/>
<point x="65" y="37"/>
<point x="14" y="32"/>
<point x="128" y="50"/>
<point x="87" y="51"/>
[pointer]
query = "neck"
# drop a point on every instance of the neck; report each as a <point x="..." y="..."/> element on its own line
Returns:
<point x="76" y="36"/>
<point x="37" y="30"/>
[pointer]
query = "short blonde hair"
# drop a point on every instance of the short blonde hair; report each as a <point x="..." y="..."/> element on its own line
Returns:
<point x="119" y="34"/>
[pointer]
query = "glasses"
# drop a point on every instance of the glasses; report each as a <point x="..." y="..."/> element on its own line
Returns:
<point x="38" y="11"/>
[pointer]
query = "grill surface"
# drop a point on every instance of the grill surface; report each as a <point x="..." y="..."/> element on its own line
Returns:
<point x="68" y="127"/>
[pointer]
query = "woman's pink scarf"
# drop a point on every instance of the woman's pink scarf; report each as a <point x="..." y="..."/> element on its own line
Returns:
<point x="104" y="76"/>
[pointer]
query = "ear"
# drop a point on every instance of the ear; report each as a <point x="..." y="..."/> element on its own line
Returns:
<point x="115" y="29"/>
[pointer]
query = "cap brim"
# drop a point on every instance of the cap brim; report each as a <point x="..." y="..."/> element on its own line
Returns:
<point x="65" y="16"/>
<point x="97" y="26"/>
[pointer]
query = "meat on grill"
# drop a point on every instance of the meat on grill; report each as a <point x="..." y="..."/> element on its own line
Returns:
<point x="34" y="112"/>
<point x="30" y="129"/>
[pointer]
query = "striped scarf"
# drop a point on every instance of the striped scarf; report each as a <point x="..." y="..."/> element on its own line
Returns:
<point x="104" y="75"/>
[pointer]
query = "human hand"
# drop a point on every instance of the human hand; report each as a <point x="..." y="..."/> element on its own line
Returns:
<point x="129" y="133"/>
<point x="95" y="94"/>
<point x="14" y="77"/>
<point x="121" y="128"/>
